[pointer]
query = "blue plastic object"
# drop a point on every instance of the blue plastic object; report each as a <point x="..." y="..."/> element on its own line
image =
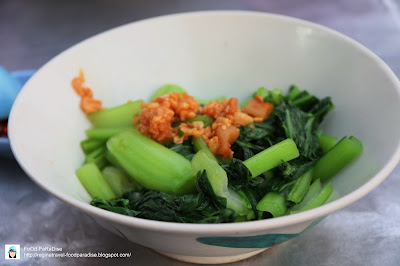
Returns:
<point x="9" y="88"/>
<point x="23" y="75"/>
<point x="10" y="85"/>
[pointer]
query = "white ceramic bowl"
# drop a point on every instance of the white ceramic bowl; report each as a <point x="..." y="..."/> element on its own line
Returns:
<point x="210" y="54"/>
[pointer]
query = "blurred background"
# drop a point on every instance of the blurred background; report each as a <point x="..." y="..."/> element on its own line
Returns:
<point x="33" y="32"/>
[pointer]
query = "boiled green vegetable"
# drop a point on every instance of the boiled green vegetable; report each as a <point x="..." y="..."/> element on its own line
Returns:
<point x="104" y="133"/>
<point x="207" y="120"/>
<point x="116" y="117"/>
<point x="273" y="203"/>
<point x="89" y="145"/>
<point x="301" y="187"/>
<point x="326" y="142"/>
<point x="205" y="160"/>
<point x="119" y="181"/>
<point x="91" y="178"/>
<point x="313" y="191"/>
<point x="151" y="164"/>
<point x="319" y="200"/>
<point x="272" y="157"/>
<point x="337" y="158"/>
<point x="279" y="165"/>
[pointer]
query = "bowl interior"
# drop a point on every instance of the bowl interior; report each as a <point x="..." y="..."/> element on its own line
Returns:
<point x="210" y="54"/>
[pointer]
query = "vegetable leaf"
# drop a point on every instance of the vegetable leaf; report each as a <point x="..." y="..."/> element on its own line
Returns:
<point x="252" y="195"/>
<point x="280" y="185"/>
<point x="300" y="127"/>
<point x="274" y="97"/>
<point x="118" y="205"/>
<point x="254" y="140"/>
<point x="203" y="207"/>
<point x="239" y="175"/>
<point x="295" y="168"/>
<point x="321" y="109"/>
<point x="205" y="189"/>
<point x="186" y="150"/>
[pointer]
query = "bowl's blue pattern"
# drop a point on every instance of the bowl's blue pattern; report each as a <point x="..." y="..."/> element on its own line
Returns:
<point x="259" y="241"/>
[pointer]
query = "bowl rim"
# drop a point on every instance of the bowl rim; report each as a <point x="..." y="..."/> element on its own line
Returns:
<point x="226" y="228"/>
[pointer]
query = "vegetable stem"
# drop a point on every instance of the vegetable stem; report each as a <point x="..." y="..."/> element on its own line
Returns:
<point x="319" y="200"/>
<point x="216" y="175"/>
<point x="104" y="133"/>
<point x="199" y="143"/>
<point x="89" y="145"/>
<point x="326" y="142"/>
<point x="95" y="154"/>
<point x="118" y="180"/>
<point x="312" y="192"/>
<point x="92" y="179"/>
<point x="151" y="164"/>
<point x="272" y="157"/>
<point x="274" y="203"/>
<point x="293" y="92"/>
<point x="337" y="158"/>
<point x="118" y="116"/>
<point x="207" y="120"/>
<point x="101" y="161"/>
<point x="262" y="92"/>
<point x="301" y="187"/>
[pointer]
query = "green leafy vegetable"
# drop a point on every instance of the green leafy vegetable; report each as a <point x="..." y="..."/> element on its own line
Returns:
<point x="326" y="142"/>
<point x="93" y="181"/>
<point x="198" y="144"/>
<point x="319" y="200"/>
<point x="295" y="168"/>
<point x="280" y="185"/>
<point x="273" y="203"/>
<point x="185" y="149"/>
<point x="93" y="155"/>
<point x="104" y="133"/>
<point x="337" y="158"/>
<point x="239" y="175"/>
<point x="252" y="195"/>
<point x="116" y="117"/>
<point x="254" y="140"/>
<point x="205" y="189"/>
<point x="205" y="160"/>
<point x="203" y="207"/>
<point x="292" y="93"/>
<point x="119" y="181"/>
<point x="272" y="157"/>
<point x="89" y="145"/>
<point x="118" y="205"/>
<point x="151" y="164"/>
<point x="300" y="127"/>
<point x="301" y="187"/>
<point x="207" y="120"/>
<point x="314" y="189"/>
<point x="273" y="96"/>
<point x="271" y="171"/>
<point x="300" y="115"/>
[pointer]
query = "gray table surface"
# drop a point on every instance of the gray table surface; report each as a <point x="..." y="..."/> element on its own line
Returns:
<point x="32" y="32"/>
